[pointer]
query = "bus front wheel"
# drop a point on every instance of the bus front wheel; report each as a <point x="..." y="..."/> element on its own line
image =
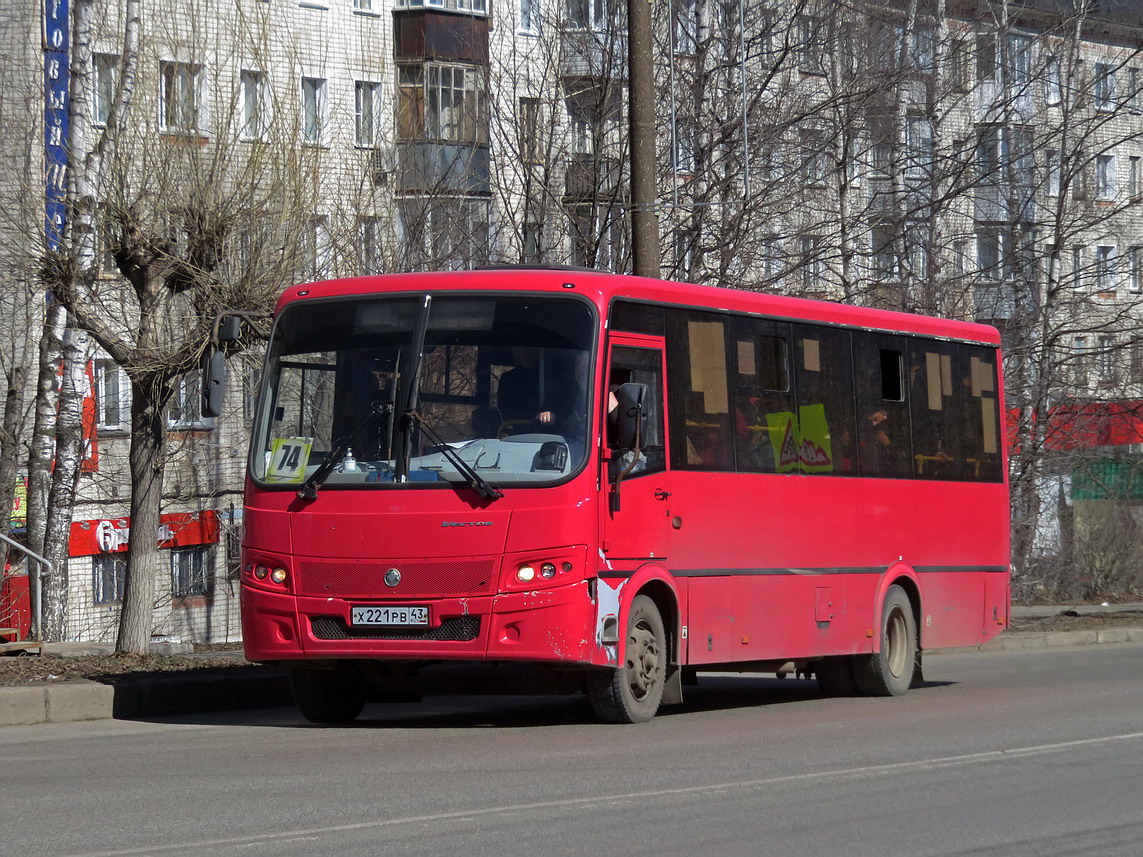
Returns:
<point x="327" y="696"/>
<point x="632" y="692"/>
<point x="889" y="672"/>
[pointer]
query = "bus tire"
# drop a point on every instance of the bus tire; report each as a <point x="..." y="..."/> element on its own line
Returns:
<point x="327" y="696"/>
<point x="835" y="676"/>
<point x="889" y="672"/>
<point x="632" y="692"/>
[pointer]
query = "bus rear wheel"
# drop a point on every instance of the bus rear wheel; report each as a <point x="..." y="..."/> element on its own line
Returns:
<point x="328" y="696"/>
<point x="632" y="693"/>
<point x="889" y="672"/>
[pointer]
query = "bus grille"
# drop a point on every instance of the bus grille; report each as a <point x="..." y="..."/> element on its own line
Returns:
<point x="418" y="579"/>
<point x="456" y="628"/>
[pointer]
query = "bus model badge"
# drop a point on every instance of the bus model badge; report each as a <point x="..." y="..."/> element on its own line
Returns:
<point x="392" y="577"/>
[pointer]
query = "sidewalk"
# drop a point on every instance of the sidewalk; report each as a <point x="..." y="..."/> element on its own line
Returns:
<point x="262" y="687"/>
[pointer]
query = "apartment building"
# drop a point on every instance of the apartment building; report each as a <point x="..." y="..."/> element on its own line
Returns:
<point x="973" y="159"/>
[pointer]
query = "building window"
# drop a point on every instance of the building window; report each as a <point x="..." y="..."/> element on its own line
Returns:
<point x="918" y="149"/>
<point x="1019" y="63"/>
<point x="255" y="104"/>
<point x="1135" y="274"/>
<point x="686" y="27"/>
<point x="1053" y="89"/>
<point x="1079" y="360"/>
<point x="587" y="14"/>
<point x="184" y="410"/>
<point x="990" y="255"/>
<point x="1105" y="183"/>
<point x="112" y="399"/>
<point x="1105" y="268"/>
<point x="367" y="112"/>
<point x="1053" y="168"/>
<point x="192" y="571"/>
<point x="362" y="5"/>
<point x="815" y="160"/>
<point x="317" y="254"/>
<point x="441" y="102"/>
<point x="811" y="44"/>
<point x="530" y="16"/>
<point x="773" y="260"/>
<point x="1105" y="358"/>
<point x="1104" y="85"/>
<point x="584" y="127"/>
<point x="370" y="235"/>
<point x="313" y="109"/>
<point x="108" y="572"/>
<point x="180" y="97"/>
<point x="529" y="131"/>
<point x="813" y="266"/>
<point x="473" y="7"/>
<point x="1133" y="176"/>
<point x="684" y="149"/>
<point x="1078" y="273"/>
<point x="106" y="71"/>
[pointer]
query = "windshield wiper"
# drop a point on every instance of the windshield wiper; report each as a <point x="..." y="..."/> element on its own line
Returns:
<point x="474" y="480"/>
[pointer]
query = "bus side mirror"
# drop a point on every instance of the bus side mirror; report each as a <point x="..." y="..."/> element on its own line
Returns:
<point x="213" y="382"/>
<point x="629" y="420"/>
<point x="230" y="328"/>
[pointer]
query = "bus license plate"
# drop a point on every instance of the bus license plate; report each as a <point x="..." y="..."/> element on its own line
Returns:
<point x="389" y="616"/>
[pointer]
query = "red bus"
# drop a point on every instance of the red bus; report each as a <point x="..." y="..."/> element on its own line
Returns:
<point x="608" y="483"/>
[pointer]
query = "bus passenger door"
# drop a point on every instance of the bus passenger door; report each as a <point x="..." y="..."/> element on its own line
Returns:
<point x="637" y="511"/>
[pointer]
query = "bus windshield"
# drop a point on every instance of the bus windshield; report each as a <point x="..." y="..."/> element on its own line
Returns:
<point x="354" y="396"/>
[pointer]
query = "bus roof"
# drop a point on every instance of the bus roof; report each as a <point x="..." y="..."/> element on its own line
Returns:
<point x="602" y="287"/>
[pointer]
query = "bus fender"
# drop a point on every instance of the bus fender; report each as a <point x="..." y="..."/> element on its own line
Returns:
<point x="902" y="574"/>
<point x="613" y="600"/>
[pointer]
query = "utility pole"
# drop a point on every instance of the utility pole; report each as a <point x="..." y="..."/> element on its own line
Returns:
<point x="641" y="120"/>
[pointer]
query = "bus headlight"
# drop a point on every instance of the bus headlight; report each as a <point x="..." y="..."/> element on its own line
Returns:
<point x="525" y="574"/>
<point x="548" y="570"/>
<point x="278" y="575"/>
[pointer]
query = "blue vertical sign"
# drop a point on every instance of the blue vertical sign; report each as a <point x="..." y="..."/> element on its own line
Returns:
<point x="56" y="73"/>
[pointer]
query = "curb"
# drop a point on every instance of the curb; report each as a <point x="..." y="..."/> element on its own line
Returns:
<point x="128" y="698"/>
<point x="266" y="687"/>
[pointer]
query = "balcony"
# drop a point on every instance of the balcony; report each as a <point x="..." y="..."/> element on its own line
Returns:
<point x="443" y="167"/>
<point x="593" y="54"/>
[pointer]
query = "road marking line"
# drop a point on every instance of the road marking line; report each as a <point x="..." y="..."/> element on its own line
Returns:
<point x="471" y="814"/>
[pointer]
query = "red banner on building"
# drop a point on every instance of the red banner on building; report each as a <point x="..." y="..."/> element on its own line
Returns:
<point x="113" y="535"/>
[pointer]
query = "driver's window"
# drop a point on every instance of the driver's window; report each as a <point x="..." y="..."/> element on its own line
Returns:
<point x="638" y="366"/>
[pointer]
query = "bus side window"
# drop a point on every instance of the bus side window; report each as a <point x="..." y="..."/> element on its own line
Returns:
<point x="824" y="440"/>
<point x="884" y="435"/>
<point x="763" y="397"/>
<point x="701" y="437"/>
<point x="977" y="374"/>
<point x="639" y="366"/>
<point x="935" y="404"/>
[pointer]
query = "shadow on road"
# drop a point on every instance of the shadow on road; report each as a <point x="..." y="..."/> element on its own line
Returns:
<point x="457" y="711"/>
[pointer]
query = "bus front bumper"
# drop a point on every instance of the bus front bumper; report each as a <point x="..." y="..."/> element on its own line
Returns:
<point x="555" y="625"/>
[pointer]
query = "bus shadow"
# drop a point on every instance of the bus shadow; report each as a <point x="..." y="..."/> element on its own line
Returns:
<point x="473" y="711"/>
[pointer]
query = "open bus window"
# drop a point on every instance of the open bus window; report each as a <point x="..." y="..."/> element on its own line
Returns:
<point x="639" y="366"/>
<point x="884" y="441"/>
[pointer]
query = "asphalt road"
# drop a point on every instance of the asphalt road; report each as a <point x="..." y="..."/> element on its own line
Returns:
<point x="1002" y="753"/>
